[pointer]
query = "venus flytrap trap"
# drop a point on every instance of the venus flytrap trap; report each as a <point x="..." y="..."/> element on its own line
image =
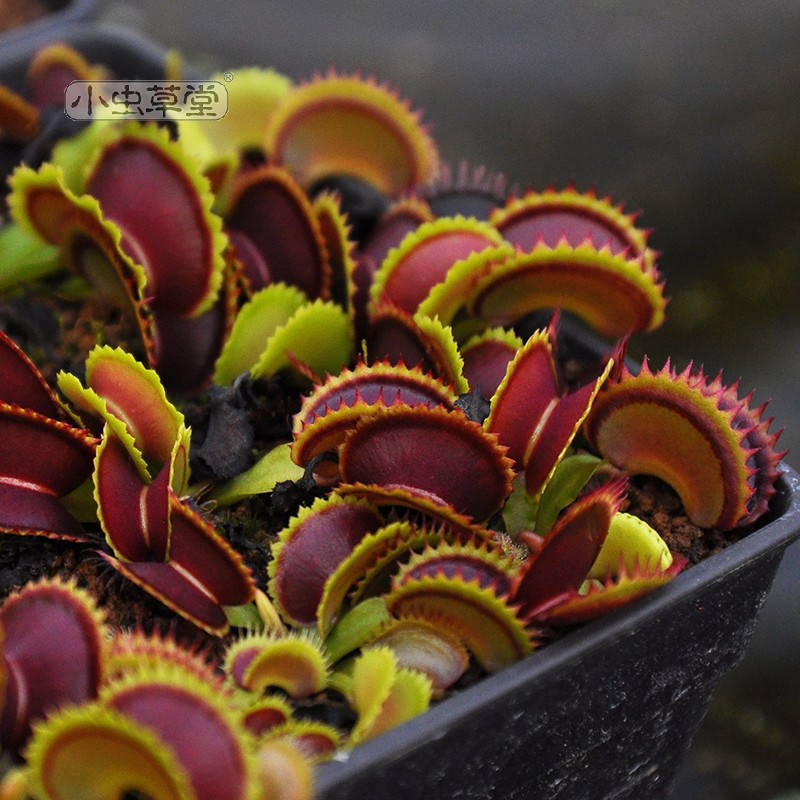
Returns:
<point x="345" y="480"/>
<point x="44" y="456"/>
<point x="710" y="446"/>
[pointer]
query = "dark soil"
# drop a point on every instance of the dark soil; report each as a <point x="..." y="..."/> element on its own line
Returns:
<point x="56" y="329"/>
<point x="659" y="506"/>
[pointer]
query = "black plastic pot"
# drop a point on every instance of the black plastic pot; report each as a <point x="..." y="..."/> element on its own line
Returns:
<point x="608" y="711"/>
<point x="60" y="13"/>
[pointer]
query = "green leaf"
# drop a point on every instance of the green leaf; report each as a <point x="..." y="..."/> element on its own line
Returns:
<point x="25" y="257"/>
<point x="80" y="502"/>
<point x="256" y="323"/>
<point x="341" y="679"/>
<point x="383" y="695"/>
<point x="633" y="543"/>
<point x="519" y="512"/>
<point x="318" y="335"/>
<point x="356" y="627"/>
<point x="569" y="478"/>
<point x="273" y="468"/>
<point x="245" y="616"/>
<point x="73" y="154"/>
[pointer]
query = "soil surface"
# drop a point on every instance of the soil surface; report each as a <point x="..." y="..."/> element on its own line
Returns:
<point x="659" y="506"/>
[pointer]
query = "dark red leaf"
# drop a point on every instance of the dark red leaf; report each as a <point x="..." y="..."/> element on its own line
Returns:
<point x="569" y="549"/>
<point x="120" y="493"/>
<point x="41" y="453"/>
<point x="426" y="451"/>
<point x="273" y="212"/>
<point x="164" y="229"/>
<point x="21" y="383"/>
<point x="309" y="551"/>
<point x="31" y="512"/>
<point x="169" y="585"/>
<point x="46" y="629"/>
<point x="201" y="553"/>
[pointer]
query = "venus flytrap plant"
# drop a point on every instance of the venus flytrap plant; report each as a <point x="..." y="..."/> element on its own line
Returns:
<point x="102" y="240"/>
<point x="163" y="545"/>
<point x="533" y="415"/>
<point x="418" y="491"/>
<point x="267" y="210"/>
<point x="426" y="647"/>
<point x="158" y="541"/>
<point x="207" y="755"/>
<point x="294" y="663"/>
<point x="401" y="338"/>
<point x="317" y="742"/>
<point x="424" y="257"/>
<point x="336" y="114"/>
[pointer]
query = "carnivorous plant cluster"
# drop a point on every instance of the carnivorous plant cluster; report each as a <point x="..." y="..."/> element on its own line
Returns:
<point x="327" y="438"/>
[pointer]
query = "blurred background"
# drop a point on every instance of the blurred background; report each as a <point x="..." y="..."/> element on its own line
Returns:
<point x="687" y="111"/>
